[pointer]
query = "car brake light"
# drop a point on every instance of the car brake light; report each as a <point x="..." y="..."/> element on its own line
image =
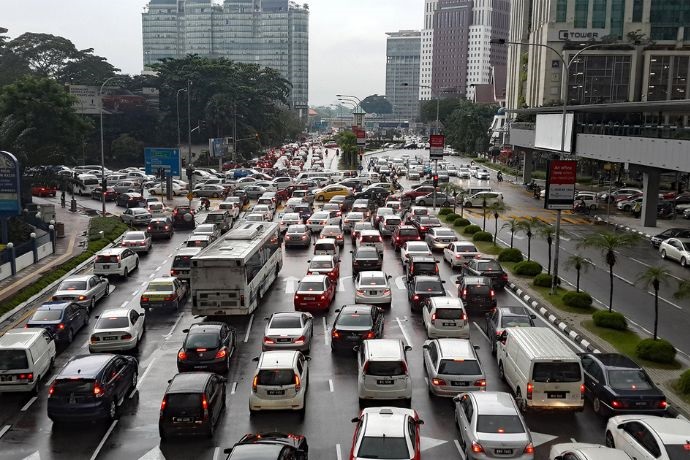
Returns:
<point x="149" y="228"/>
<point x="164" y="402"/>
<point x="268" y="340"/>
<point x="300" y="340"/>
<point x="529" y="449"/>
<point x="438" y="382"/>
<point x="493" y="294"/>
<point x="416" y="297"/>
<point x="126" y="337"/>
<point x="477" y="448"/>
<point x="433" y="317"/>
<point x="480" y="383"/>
<point x="222" y="353"/>
<point x="323" y="297"/>
<point x="29" y="377"/>
<point x="582" y="391"/>
<point x="81" y="297"/>
<point x="663" y="404"/>
<point x="204" y="404"/>
<point x="370" y="335"/>
<point x="397" y="238"/>
<point x="255" y="382"/>
<point x="182" y="355"/>
<point x="51" y="390"/>
<point x="335" y="334"/>
<point x="298" y="385"/>
<point x="61" y="326"/>
<point x="422" y="228"/>
<point x="97" y="391"/>
<point x="464" y="293"/>
<point x="530" y="389"/>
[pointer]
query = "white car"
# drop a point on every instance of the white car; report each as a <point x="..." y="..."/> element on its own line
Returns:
<point x="84" y="290"/>
<point x="590" y="199"/>
<point x="584" y="451"/>
<point x="373" y="287"/>
<point x="414" y="248"/>
<point x="280" y="381"/>
<point x="265" y="210"/>
<point x="118" y="329"/>
<point x="208" y="229"/>
<point x="370" y="238"/>
<point x="483" y="174"/>
<point x="648" y="437"/>
<point x="445" y="317"/>
<point x="161" y="189"/>
<point x="137" y="241"/>
<point x="255" y="217"/>
<point x="320" y="219"/>
<point x="387" y="432"/>
<point x="439" y="237"/>
<point x="676" y="249"/>
<point x="116" y="261"/>
<point x="458" y="253"/>
<point x="478" y="199"/>
<point x="289" y="218"/>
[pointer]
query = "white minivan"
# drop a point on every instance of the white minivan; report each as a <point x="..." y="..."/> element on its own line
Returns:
<point x="383" y="371"/>
<point x="26" y="356"/>
<point x="542" y="371"/>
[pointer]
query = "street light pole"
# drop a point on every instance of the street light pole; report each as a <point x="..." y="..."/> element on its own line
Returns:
<point x="177" y="99"/>
<point x="103" y="181"/>
<point x="189" y="131"/>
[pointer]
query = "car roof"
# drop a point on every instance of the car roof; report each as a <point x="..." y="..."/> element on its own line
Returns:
<point x="386" y="421"/>
<point x="464" y="243"/>
<point x="111" y="251"/>
<point x="370" y="233"/>
<point x="115" y="312"/>
<point x="313" y="279"/>
<point x="188" y="382"/>
<point x="476" y="280"/>
<point x="371" y="274"/>
<point x="615" y="360"/>
<point x="494" y="403"/>
<point x="57" y="305"/>
<point x="78" y="278"/>
<point x="384" y="349"/>
<point x="456" y="348"/>
<point x="446" y="302"/>
<point x="514" y="311"/>
<point x="87" y="366"/>
<point x="210" y="326"/>
<point x="277" y="359"/>
<point x="420" y="278"/>
<point x="185" y="251"/>
<point x="418" y="259"/>
<point x="322" y="258"/>
<point x="163" y="279"/>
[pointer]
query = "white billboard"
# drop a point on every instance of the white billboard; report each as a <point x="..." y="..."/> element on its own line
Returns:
<point x="88" y="101"/>
<point x="547" y="134"/>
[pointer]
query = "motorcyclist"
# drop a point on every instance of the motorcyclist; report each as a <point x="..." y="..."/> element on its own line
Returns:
<point x="537" y="191"/>
<point x="499" y="176"/>
<point x="205" y="203"/>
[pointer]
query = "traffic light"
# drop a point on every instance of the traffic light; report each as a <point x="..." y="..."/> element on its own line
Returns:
<point x="435" y="180"/>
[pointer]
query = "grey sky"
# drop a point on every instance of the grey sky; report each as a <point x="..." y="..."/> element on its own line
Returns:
<point x="347" y="41"/>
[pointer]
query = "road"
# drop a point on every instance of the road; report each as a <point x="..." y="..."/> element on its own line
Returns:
<point x="27" y="433"/>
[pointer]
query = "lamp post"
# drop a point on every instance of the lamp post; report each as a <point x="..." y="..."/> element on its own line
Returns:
<point x="189" y="126"/>
<point x="103" y="181"/>
<point x="566" y="68"/>
<point x="177" y="99"/>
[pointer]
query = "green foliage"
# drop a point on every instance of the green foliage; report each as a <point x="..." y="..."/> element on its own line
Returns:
<point x="127" y="150"/>
<point x="467" y="126"/>
<point x="444" y="211"/>
<point x="577" y="299"/>
<point x="376" y="104"/>
<point x="684" y="382"/>
<point x="510" y="255"/>
<point x="461" y="222"/>
<point x="543" y="280"/>
<point x="527" y="268"/>
<point x="658" y="351"/>
<point x="481" y="236"/>
<point x="450" y="218"/>
<point x="472" y="229"/>
<point x="347" y="141"/>
<point x="610" y="320"/>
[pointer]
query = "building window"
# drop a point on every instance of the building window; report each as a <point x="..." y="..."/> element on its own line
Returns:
<point x="561" y="10"/>
<point x="637" y="10"/>
<point x="581" y="13"/>
<point x="668" y="78"/>
<point x="598" y="79"/>
<point x="617" y="13"/>
<point x="667" y="16"/>
<point x="599" y="14"/>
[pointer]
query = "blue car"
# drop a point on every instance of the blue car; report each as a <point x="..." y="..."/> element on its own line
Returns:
<point x="62" y="319"/>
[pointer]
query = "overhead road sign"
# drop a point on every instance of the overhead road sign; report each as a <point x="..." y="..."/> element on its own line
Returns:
<point x="156" y="158"/>
<point x="436" y="144"/>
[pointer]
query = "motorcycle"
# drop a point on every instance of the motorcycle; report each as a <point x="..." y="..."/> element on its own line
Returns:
<point x="531" y="186"/>
<point x="537" y="192"/>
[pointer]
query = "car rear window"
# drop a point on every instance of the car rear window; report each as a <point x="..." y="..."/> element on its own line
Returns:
<point x="371" y="238"/>
<point x="385" y="447"/>
<point x="449" y="313"/>
<point x="297" y="229"/>
<point x="355" y="319"/>
<point x="310" y="286"/>
<point x="182" y="262"/>
<point x="445" y="233"/>
<point x="465" y="248"/>
<point x="13" y="359"/>
<point x="429" y="286"/>
<point x="159" y="287"/>
<point x="489" y="265"/>
<point x="324" y="247"/>
<point x="499" y="424"/>
<point x="395" y="221"/>
<point x="47" y="315"/>
<point x="275" y="377"/>
<point x="183" y="404"/>
<point x="408" y="232"/>
<point x="424" y="267"/>
<point x="72" y="286"/>
<point x="202" y="341"/>
<point x="629" y="379"/>
<point x="112" y="322"/>
<point x="385" y="368"/>
<point x="321" y="264"/>
<point x="101" y="259"/>
<point x="286" y="322"/>
<point x="68" y="386"/>
<point x="678" y="451"/>
<point x="478" y="289"/>
<point x="556" y="372"/>
<point x="459" y="367"/>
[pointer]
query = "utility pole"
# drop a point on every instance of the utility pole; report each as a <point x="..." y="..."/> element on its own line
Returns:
<point x="189" y="129"/>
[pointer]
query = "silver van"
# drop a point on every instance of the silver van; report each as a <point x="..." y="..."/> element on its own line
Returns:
<point x="26" y="356"/>
<point x="182" y="263"/>
<point x="383" y="371"/>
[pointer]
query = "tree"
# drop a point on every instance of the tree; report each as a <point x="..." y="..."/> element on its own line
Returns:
<point x="609" y="243"/>
<point x="513" y="226"/>
<point x="127" y="150"/>
<point x="45" y="54"/>
<point x="548" y="232"/>
<point x="528" y="227"/>
<point x="12" y="66"/>
<point x="376" y="104"/>
<point x="348" y="149"/>
<point x="579" y="263"/>
<point x="446" y="106"/>
<point x="86" y="69"/>
<point x="455" y="191"/>
<point x="467" y="126"/>
<point x="655" y="277"/>
<point x="683" y="291"/>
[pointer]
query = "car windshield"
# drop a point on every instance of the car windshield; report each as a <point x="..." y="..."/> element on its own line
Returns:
<point x="515" y="321"/>
<point x="159" y="287"/>
<point x="429" y="286"/>
<point x="297" y="229"/>
<point x="385" y="447"/>
<point x="488" y="265"/>
<point x="47" y="315"/>
<point x="202" y="340"/>
<point x="450" y="313"/>
<point x="276" y="377"/>
<point x="556" y="372"/>
<point x="321" y="264"/>
<point x="355" y="319"/>
<point x="316" y="286"/>
<point x="373" y="281"/>
<point x="459" y="367"/>
<point x="13" y="359"/>
<point x="286" y="322"/>
<point x="182" y="262"/>
<point x="499" y="424"/>
<point x="629" y="379"/>
<point x="72" y="286"/>
<point x="112" y="322"/>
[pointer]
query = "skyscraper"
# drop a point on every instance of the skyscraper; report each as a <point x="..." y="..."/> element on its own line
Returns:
<point x="427" y="51"/>
<point x="271" y="33"/>
<point x="402" y="72"/>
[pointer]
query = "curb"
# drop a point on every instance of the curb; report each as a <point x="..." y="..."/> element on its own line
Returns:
<point x="623" y="227"/>
<point x="565" y="329"/>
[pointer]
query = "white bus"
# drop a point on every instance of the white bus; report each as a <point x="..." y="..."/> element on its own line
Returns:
<point x="232" y="274"/>
<point x="86" y="183"/>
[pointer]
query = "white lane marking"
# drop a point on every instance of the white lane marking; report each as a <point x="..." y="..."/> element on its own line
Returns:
<point x="148" y="368"/>
<point x="35" y="456"/>
<point x="152" y="276"/>
<point x="123" y="304"/>
<point x="325" y="330"/>
<point x="666" y="300"/>
<point x="481" y="331"/>
<point x="159" y="268"/>
<point x="249" y="328"/>
<point x="639" y="262"/>
<point x="172" y="329"/>
<point x="28" y="404"/>
<point x="572" y="440"/>
<point x="50" y="382"/>
<point x="233" y="390"/>
<point x="457" y="446"/>
<point x="132" y="393"/>
<point x="330" y="385"/>
<point x="407" y="338"/>
<point x="4" y="430"/>
<point x="105" y="438"/>
<point x="337" y="452"/>
<point x="216" y="453"/>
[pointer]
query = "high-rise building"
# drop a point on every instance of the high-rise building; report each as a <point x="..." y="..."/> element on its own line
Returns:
<point x="271" y="33"/>
<point x="402" y="72"/>
<point x="644" y="54"/>
<point x="427" y="51"/>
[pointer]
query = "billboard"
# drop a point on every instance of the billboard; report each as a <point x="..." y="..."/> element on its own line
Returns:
<point x="114" y="99"/>
<point x="10" y="187"/>
<point x="166" y="158"/>
<point x="547" y="134"/>
<point x="436" y="144"/>
<point x="560" y="184"/>
<point x="88" y="101"/>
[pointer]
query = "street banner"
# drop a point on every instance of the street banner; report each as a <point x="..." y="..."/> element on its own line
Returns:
<point x="436" y="144"/>
<point x="560" y="184"/>
<point x="361" y="137"/>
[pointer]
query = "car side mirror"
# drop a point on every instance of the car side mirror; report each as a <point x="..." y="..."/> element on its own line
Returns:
<point x="476" y="347"/>
<point x="355" y="420"/>
<point x="185" y="331"/>
<point x="408" y="348"/>
<point x="169" y="380"/>
<point x="533" y="316"/>
<point x="227" y="451"/>
<point x="255" y="359"/>
<point x="426" y="347"/>
<point x="443" y="281"/>
<point x="267" y="318"/>
<point x="98" y="316"/>
<point x="419" y="422"/>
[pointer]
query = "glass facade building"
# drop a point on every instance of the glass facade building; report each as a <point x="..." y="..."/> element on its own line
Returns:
<point x="402" y="72"/>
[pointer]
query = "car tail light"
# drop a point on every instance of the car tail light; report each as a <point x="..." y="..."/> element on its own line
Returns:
<point x="582" y="391"/>
<point x="492" y="293"/>
<point x="480" y="383"/>
<point x="335" y="334"/>
<point x="504" y="277"/>
<point x="126" y="337"/>
<point x="164" y="403"/>
<point x="530" y="389"/>
<point x="29" y="377"/>
<point x="222" y="353"/>
<point x="51" y="390"/>
<point x="464" y="293"/>
<point x="144" y="299"/>
<point x="477" y="448"/>
<point x="422" y="228"/>
<point x="95" y="338"/>
<point x="386" y="292"/>
<point x="268" y="341"/>
<point x="433" y="317"/>
<point x="370" y="335"/>
<point x="380" y="238"/>
<point x="662" y="404"/>
<point x="397" y="238"/>
<point x="182" y="355"/>
<point x="61" y="326"/>
<point x="97" y="390"/>
<point x="149" y="228"/>
<point x="81" y="297"/>
<point x="416" y="297"/>
<point x="300" y="340"/>
<point x="463" y="317"/>
<point x="171" y="297"/>
<point x="499" y="333"/>
<point x="298" y="384"/>
<point x="254" y="383"/>
<point x="438" y="382"/>
<point x="529" y="449"/>
<point x="360" y="291"/>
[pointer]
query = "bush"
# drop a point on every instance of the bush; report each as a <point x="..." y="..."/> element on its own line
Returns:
<point x="461" y="222"/>
<point x="482" y="236"/>
<point x="527" y="268"/>
<point x="543" y="280"/>
<point x="510" y="255"/>
<point x="683" y="384"/>
<point x="610" y="320"/>
<point x="450" y="218"/>
<point x="444" y="211"/>
<point x="472" y="229"/>
<point x="658" y="351"/>
<point x="577" y="299"/>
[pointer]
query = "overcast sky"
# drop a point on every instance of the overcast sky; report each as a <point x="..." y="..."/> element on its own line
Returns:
<point x="347" y="38"/>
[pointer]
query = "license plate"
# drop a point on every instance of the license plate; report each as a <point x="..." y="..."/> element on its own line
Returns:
<point x="384" y="382"/>
<point x="110" y="338"/>
<point x="373" y="292"/>
<point x="309" y="298"/>
<point x="641" y="403"/>
<point x="105" y="267"/>
<point x="284" y="340"/>
<point x="275" y="392"/>
<point x="183" y="419"/>
<point x="555" y="395"/>
<point x="354" y="337"/>
<point x="503" y="451"/>
<point x="459" y="384"/>
<point x="449" y="324"/>
<point x="6" y="378"/>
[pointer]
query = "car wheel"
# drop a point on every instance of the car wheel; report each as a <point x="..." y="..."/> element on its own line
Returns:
<point x="663" y="253"/>
<point x="125" y="274"/>
<point x="107" y="290"/>
<point x="421" y="203"/>
<point x="683" y="262"/>
<point x="501" y="372"/>
<point x="446" y="203"/>
<point x="468" y="204"/>
<point x="596" y="405"/>
<point x="70" y="336"/>
<point x="134" y="382"/>
<point x="112" y="410"/>
<point x="609" y="440"/>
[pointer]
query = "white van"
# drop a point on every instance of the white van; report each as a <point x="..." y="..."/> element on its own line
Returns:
<point x="86" y="183"/>
<point x="327" y="246"/>
<point x="383" y="371"/>
<point x="26" y="356"/>
<point x="543" y="372"/>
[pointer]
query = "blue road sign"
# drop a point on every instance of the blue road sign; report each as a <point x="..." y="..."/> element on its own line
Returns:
<point x="10" y="185"/>
<point x="166" y="158"/>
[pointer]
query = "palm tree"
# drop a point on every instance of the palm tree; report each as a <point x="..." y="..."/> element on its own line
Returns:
<point x="548" y="232"/>
<point x="655" y="277"/>
<point x="529" y="227"/>
<point x="484" y="214"/>
<point x="497" y="208"/>
<point x="609" y="243"/>
<point x="455" y="191"/>
<point x="579" y="263"/>
<point x="513" y="226"/>
<point x="683" y="290"/>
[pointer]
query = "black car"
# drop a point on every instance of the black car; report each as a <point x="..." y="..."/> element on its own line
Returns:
<point x="670" y="233"/>
<point x="490" y="268"/>
<point x="192" y="404"/>
<point x="91" y="387"/>
<point x="161" y="227"/>
<point x="477" y="293"/>
<point x="498" y="319"/>
<point x="242" y="194"/>
<point x="421" y="265"/>
<point x="424" y="223"/>
<point x="354" y="184"/>
<point x="269" y="446"/>
<point x="366" y="258"/>
<point x="617" y="385"/>
<point x="355" y="323"/>
<point x="423" y="287"/>
<point x="207" y="346"/>
<point x="130" y="200"/>
<point x="376" y="195"/>
<point x="183" y="216"/>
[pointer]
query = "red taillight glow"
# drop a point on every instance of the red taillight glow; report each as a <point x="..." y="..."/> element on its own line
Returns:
<point x="416" y="297"/>
<point x="464" y="293"/>
<point x="582" y="391"/>
<point x="51" y="390"/>
<point x="300" y="340"/>
<point x="529" y="449"/>
<point x="61" y="326"/>
<point x="335" y="334"/>
<point x="370" y="335"/>
<point x="144" y="299"/>
<point x="530" y="389"/>
<point x="126" y="337"/>
<point x="433" y="317"/>
<point x="480" y="383"/>
<point x="181" y="355"/>
<point x="438" y="382"/>
<point x="97" y="391"/>
<point x="663" y="405"/>
<point x="222" y="353"/>
<point x="268" y="341"/>
<point x="164" y="403"/>
<point x="204" y="404"/>
<point x="298" y="385"/>
<point x="254" y="383"/>
<point x="477" y="448"/>
<point x="493" y="294"/>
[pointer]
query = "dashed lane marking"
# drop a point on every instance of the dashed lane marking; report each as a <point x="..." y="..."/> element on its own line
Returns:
<point x="233" y="390"/>
<point x="330" y="385"/>
<point x="325" y="330"/>
<point x="481" y="331"/>
<point x="105" y="438"/>
<point x="4" y="430"/>
<point x="28" y="404"/>
<point x="249" y="328"/>
<point x="338" y="454"/>
<point x="666" y="300"/>
<point x="404" y="333"/>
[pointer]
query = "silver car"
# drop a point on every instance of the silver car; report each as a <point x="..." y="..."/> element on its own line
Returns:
<point x="137" y="241"/>
<point x="288" y="331"/>
<point x="373" y="287"/>
<point x="335" y="232"/>
<point x="350" y="220"/>
<point x="439" y="237"/>
<point x="491" y="426"/>
<point x="453" y="367"/>
<point x="136" y="216"/>
<point x="85" y="290"/>
<point x="213" y="230"/>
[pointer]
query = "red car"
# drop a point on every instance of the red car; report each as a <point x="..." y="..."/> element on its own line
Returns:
<point x="324" y="264"/>
<point x="110" y="194"/>
<point x="44" y="190"/>
<point x="419" y="191"/>
<point x="402" y="234"/>
<point x="314" y="293"/>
